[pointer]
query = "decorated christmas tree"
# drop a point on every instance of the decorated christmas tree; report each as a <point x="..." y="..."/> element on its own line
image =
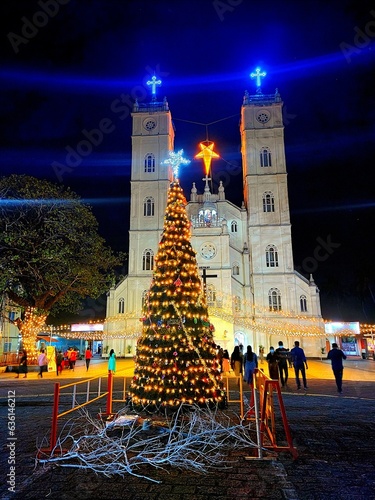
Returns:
<point x="176" y="355"/>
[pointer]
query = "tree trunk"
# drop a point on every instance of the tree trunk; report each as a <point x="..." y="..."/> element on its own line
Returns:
<point x="29" y="328"/>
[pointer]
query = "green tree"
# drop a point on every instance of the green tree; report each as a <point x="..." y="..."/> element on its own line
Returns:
<point x="51" y="255"/>
<point x="176" y="355"/>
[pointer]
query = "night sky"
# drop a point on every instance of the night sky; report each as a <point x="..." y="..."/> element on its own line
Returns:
<point x="67" y="65"/>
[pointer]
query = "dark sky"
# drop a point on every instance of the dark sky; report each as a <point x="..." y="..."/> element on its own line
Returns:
<point x="66" y="64"/>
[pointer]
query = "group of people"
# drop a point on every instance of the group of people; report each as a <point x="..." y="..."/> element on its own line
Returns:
<point x="240" y="363"/>
<point x="71" y="356"/>
<point x="244" y="363"/>
<point x="278" y="364"/>
<point x="42" y="360"/>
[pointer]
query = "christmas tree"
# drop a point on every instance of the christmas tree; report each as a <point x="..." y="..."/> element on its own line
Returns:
<point x="176" y="355"/>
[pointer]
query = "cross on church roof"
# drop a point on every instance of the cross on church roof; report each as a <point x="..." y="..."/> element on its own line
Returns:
<point x="258" y="75"/>
<point x="153" y="82"/>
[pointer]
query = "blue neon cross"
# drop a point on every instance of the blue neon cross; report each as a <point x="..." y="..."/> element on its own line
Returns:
<point x="153" y="82"/>
<point x="258" y="75"/>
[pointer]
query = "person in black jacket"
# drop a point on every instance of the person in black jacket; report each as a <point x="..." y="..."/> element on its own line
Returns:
<point x="282" y="355"/>
<point x="336" y="356"/>
<point x="23" y="364"/>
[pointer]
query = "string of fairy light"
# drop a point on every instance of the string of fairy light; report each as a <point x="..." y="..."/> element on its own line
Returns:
<point x="30" y="328"/>
<point x="192" y="344"/>
<point x="176" y="336"/>
<point x="272" y="323"/>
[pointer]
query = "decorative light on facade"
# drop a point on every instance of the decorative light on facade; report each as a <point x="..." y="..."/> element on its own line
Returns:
<point x="175" y="160"/>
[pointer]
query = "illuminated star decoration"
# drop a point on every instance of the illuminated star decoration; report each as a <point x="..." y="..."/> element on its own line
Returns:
<point x="207" y="153"/>
<point x="175" y="160"/>
<point x="258" y="75"/>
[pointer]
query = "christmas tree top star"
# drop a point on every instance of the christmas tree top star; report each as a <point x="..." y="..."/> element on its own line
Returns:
<point x="175" y="160"/>
<point x="207" y="153"/>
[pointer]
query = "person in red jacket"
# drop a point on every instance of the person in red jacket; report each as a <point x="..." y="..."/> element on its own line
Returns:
<point x="72" y="359"/>
<point x="88" y="356"/>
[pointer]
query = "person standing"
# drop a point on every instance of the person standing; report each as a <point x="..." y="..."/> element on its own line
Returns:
<point x="299" y="363"/>
<point x="272" y="360"/>
<point x="250" y="362"/>
<point x="336" y="356"/>
<point x="23" y="364"/>
<point x="68" y="354"/>
<point x="42" y="363"/>
<point x="88" y="356"/>
<point x="226" y="363"/>
<point x="282" y="355"/>
<point x="236" y="361"/>
<point x="72" y="359"/>
<point x="261" y="354"/>
<point x="112" y="362"/>
<point x="59" y="361"/>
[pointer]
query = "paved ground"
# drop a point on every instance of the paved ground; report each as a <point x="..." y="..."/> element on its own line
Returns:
<point x="334" y="435"/>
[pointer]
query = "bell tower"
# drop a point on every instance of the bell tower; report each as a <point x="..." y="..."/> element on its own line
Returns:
<point x="152" y="140"/>
<point x="266" y="192"/>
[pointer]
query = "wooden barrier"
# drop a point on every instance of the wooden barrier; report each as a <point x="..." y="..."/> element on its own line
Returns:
<point x="240" y="388"/>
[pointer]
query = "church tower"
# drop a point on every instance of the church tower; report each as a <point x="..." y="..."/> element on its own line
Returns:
<point x="152" y="140"/>
<point x="266" y="195"/>
<point x="276" y="285"/>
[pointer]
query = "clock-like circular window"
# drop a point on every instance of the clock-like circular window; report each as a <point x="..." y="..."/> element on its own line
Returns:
<point x="263" y="117"/>
<point x="208" y="250"/>
<point x="149" y="124"/>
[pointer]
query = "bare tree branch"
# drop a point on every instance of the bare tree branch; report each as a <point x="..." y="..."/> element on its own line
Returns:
<point x="192" y="439"/>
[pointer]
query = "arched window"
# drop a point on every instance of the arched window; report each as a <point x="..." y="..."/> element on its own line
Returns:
<point x="268" y="202"/>
<point x="149" y="163"/>
<point x="211" y="294"/>
<point x="121" y="306"/>
<point x="272" y="257"/>
<point x="303" y="303"/>
<point x="233" y="227"/>
<point x="274" y="299"/>
<point x="148" y="260"/>
<point x="265" y="157"/>
<point x="235" y="269"/>
<point x="149" y="207"/>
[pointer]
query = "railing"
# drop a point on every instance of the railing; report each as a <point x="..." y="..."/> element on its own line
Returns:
<point x="74" y="404"/>
<point x="217" y="222"/>
<point x="261" y="409"/>
<point x="9" y="358"/>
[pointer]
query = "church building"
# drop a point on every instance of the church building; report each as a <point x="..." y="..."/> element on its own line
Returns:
<point x="254" y="295"/>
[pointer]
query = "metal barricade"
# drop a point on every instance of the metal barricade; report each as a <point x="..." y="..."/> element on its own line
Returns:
<point x="74" y="405"/>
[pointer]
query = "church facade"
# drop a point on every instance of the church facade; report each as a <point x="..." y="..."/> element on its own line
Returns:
<point x="254" y="295"/>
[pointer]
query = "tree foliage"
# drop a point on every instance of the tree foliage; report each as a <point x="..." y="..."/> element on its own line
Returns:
<point x="51" y="255"/>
